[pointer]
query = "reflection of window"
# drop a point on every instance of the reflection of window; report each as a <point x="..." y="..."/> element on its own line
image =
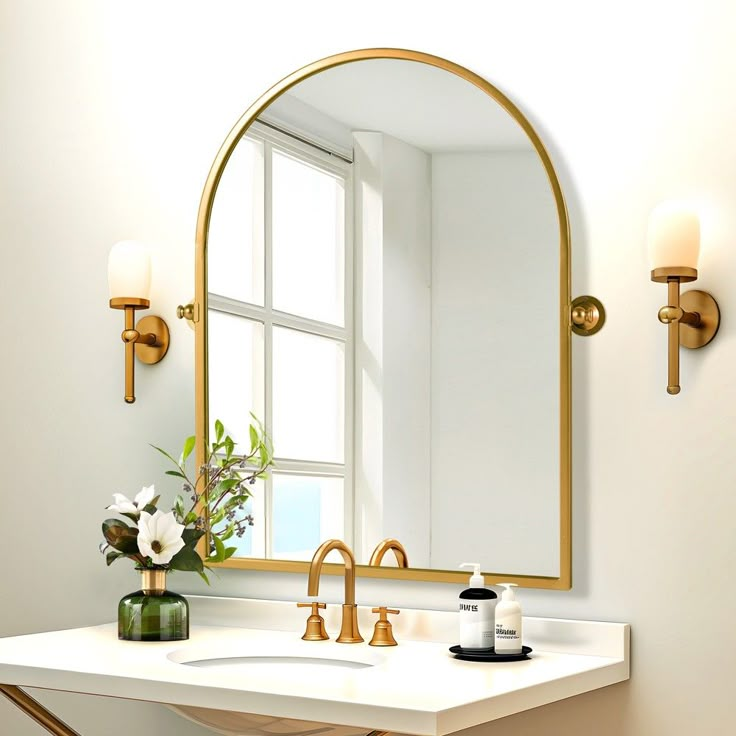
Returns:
<point x="280" y="333"/>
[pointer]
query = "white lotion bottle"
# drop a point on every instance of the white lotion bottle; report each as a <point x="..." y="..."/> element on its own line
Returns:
<point x="476" y="608"/>
<point x="508" y="622"/>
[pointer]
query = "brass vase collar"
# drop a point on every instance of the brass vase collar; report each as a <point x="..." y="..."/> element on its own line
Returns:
<point x="153" y="581"/>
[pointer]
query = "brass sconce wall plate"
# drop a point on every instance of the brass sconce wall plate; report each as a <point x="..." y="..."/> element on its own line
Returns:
<point x="152" y="354"/>
<point x="587" y="315"/>
<point x="703" y="304"/>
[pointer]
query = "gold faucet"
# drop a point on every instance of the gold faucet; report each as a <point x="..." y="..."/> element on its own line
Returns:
<point x="349" y="632"/>
<point x="389" y="544"/>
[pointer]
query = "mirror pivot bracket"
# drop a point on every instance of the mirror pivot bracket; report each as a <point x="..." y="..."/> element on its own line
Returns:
<point x="587" y="315"/>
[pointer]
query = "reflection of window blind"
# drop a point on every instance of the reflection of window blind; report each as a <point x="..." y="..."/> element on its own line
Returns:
<point x="307" y="140"/>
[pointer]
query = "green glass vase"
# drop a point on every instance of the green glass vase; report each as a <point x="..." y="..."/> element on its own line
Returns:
<point x="153" y="613"/>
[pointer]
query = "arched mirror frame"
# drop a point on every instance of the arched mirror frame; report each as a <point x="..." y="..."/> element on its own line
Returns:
<point x="564" y="580"/>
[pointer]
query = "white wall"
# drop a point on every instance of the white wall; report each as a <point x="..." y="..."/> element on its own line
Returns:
<point x="112" y="113"/>
<point x="495" y="363"/>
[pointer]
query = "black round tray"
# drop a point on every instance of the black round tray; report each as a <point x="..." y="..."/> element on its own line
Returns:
<point x="488" y="655"/>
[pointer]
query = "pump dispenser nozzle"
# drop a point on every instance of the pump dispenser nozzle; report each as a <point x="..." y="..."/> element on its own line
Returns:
<point x="476" y="579"/>
<point x="508" y="593"/>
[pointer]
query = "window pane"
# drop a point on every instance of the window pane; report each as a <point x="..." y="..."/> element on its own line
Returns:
<point x="253" y="541"/>
<point x="306" y="511"/>
<point x="308" y="396"/>
<point x="235" y="242"/>
<point x="308" y="241"/>
<point x="235" y="380"/>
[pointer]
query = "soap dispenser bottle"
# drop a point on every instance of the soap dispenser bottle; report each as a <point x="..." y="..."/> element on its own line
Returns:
<point x="508" y="622"/>
<point x="476" y="607"/>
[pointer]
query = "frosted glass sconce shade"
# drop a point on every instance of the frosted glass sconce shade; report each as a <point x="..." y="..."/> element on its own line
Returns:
<point x="673" y="237"/>
<point x="129" y="270"/>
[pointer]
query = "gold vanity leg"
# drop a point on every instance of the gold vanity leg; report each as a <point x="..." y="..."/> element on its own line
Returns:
<point x="33" y="709"/>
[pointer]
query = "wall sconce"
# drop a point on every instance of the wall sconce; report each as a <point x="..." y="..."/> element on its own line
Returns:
<point x="129" y="277"/>
<point x="692" y="318"/>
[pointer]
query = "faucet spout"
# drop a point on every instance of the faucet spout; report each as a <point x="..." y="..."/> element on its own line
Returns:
<point x="402" y="559"/>
<point x="349" y="632"/>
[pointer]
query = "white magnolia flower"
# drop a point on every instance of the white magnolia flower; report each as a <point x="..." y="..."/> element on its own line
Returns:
<point x="123" y="505"/>
<point x="159" y="536"/>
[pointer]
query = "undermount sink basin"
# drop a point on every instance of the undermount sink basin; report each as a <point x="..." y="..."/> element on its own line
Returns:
<point x="296" y="661"/>
<point x="278" y="660"/>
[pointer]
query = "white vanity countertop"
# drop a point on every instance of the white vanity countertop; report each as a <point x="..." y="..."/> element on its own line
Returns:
<point x="416" y="687"/>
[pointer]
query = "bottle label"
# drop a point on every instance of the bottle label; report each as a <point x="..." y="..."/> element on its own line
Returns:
<point x="476" y="623"/>
<point x="508" y="633"/>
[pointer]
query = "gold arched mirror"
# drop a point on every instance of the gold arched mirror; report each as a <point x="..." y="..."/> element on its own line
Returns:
<point x="383" y="278"/>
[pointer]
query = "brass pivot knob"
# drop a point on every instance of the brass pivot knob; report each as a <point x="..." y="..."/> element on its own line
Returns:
<point x="185" y="311"/>
<point x="587" y="315"/>
<point x="383" y="635"/>
<point x="315" y="623"/>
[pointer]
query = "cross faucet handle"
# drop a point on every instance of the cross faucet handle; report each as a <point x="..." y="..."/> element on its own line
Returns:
<point x="314" y="605"/>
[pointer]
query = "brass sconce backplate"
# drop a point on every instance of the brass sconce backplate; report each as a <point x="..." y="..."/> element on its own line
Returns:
<point x="151" y="354"/>
<point x="587" y="315"/>
<point x="702" y="303"/>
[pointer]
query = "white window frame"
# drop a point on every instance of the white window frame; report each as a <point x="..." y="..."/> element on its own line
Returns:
<point x="269" y="317"/>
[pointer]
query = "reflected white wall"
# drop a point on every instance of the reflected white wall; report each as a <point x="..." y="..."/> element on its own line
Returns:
<point x="495" y="363"/>
<point x="393" y="251"/>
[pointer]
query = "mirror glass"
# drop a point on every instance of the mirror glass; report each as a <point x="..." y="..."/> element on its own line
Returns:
<point x="383" y="287"/>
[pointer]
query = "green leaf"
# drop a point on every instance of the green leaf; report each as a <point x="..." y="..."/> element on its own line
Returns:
<point x="265" y="458"/>
<point x="120" y="536"/>
<point x="219" y="549"/>
<point x="234" y="501"/>
<point x="187" y="560"/>
<point x="110" y="557"/>
<point x="230" y="551"/>
<point x="150" y="508"/>
<point x="176" y="473"/>
<point x="190" y="518"/>
<point x="217" y="517"/>
<point x="187" y="451"/>
<point x="227" y="485"/>
<point x="165" y="454"/>
<point x="113" y="522"/>
<point x="179" y="507"/>
<point x="204" y="577"/>
<point x="253" y="437"/>
<point x="219" y="430"/>
<point x="229" y="446"/>
<point x="192" y="536"/>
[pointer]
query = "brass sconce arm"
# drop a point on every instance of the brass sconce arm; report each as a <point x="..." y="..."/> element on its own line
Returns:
<point x="692" y="318"/>
<point x="148" y="340"/>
